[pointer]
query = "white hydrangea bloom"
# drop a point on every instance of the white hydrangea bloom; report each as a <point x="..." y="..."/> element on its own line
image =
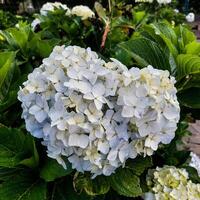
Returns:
<point x="51" y="7"/>
<point x="190" y="17"/>
<point x="164" y="1"/>
<point x="95" y="113"/>
<point x="195" y="162"/>
<point x="144" y="1"/>
<point x="149" y="103"/>
<point x="171" y="183"/>
<point x="83" y="11"/>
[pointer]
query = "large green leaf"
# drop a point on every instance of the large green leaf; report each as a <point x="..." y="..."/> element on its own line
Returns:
<point x="193" y="48"/>
<point x="139" y="164"/>
<point x="17" y="37"/>
<point x="7" y="66"/>
<point x="23" y="187"/>
<point x="92" y="187"/>
<point x="52" y="170"/>
<point x="17" y="148"/>
<point x="63" y="190"/>
<point x="146" y="52"/>
<point x="126" y="183"/>
<point x="7" y="173"/>
<point x="185" y="37"/>
<point x="187" y="64"/>
<point x="168" y="35"/>
<point x="190" y="97"/>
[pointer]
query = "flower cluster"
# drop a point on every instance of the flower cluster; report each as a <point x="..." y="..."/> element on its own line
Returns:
<point x="82" y="11"/>
<point x="98" y="114"/>
<point x="164" y="1"/>
<point x="195" y="162"/>
<point x="190" y="17"/>
<point x="52" y="6"/>
<point x="151" y="1"/>
<point x="143" y="1"/>
<point x="172" y="183"/>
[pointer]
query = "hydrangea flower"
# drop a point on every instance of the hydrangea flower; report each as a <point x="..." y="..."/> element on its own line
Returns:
<point x="98" y="114"/>
<point x="164" y="1"/>
<point x="195" y="162"/>
<point x="52" y="6"/>
<point x="143" y="1"/>
<point x="190" y="17"/>
<point x="171" y="183"/>
<point x="83" y="11"/>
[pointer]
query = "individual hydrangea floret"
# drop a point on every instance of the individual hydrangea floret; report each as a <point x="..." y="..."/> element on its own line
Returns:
<point x="98" y="114"/>
<point x="172" y="183"/>
<point x="195" y="162"/>
<point x="52" y="6"/>
<point x="83" y="11"/>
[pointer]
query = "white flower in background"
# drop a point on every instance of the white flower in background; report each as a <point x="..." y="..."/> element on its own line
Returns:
<point x="190" y="17"/>
<point x="176" y="10"/>
<point x="164" y="1"/>
<point x="83" y="11"/>
<point x="95" y="113"/>
<point x="52" y="6"/>
<point x="144" y="1"/>
<point x="35" y="23"/>
<point x="171" y="183"/>
<point x="195" y="162"/>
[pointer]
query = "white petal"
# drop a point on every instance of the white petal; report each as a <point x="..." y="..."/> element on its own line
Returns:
<point x="34" y="109"/>
<point x="98" y="104"/>
<point x="98" y="90"/>
<point x="112" y="155"/>
<point x="170" y="112"/>
<point x="127" y="111"/>
<point x="78" y="140"/>
<point x="88" y="96"/>
<point x="40" y="116"/>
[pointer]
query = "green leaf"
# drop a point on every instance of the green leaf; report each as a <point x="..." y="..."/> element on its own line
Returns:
<point x="193" y="174"/>
<point x="193" y="48"/>
<point x="44" y="47"/>
<point x="7" y="66"/>
<point x="168" y="35"/>
<point x="63" y="190"/>
<point x="146" y="52"/>
<point x="15" y="148"/>
<point x="126" y="183"/>
<point x="138" y="16"/>
<point x="185" y="36"/>
<point x="139" y="164"/>
<point x="187" y="64"/>
<point x="101" y="12"/>
<point x="6" y="173"/>
<point x="190" y="97"/>
<point x="32" y="161"/>
<point x="23" y="187"/>
<point x="92" y="187"/>
<point x="17" y="37"/>
<point x="52" y="170"/>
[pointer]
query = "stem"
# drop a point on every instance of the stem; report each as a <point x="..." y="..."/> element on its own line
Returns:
<point x="105" y="34"/>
